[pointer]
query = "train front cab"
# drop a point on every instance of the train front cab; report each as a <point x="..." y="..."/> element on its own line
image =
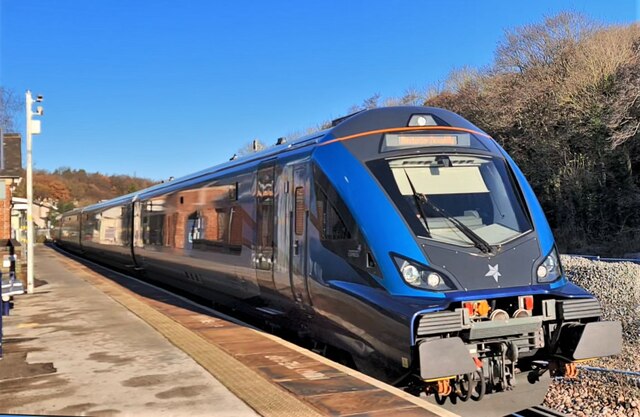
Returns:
<point x="455" y="228"/>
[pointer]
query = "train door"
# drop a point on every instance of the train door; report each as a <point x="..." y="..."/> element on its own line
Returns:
<point x="298" y="220"/>
<point x="263" y="256"/>
<point x="282" y="264"/>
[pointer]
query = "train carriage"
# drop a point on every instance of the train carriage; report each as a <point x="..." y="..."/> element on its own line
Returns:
<point x="404" y="238"/>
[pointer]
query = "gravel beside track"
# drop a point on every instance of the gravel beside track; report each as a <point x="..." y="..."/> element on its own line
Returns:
<point x="617" y="286"/>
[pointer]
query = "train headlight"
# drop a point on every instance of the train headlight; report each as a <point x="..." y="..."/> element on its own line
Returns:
<point x="542" y="272"/>
<point x="433" y="280"/>
<point x="411" y="274"/>
<point x="550" y="269"/>
<point x="420" y="276"/>
<point x="422" y="120"/>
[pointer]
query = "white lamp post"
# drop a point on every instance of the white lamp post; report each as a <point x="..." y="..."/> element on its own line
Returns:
<point x="33" y="128"/>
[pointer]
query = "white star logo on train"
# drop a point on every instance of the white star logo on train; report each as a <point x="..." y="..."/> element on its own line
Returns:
<point x="493" y="272"/>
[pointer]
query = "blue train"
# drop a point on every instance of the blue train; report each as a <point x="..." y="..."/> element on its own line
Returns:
<point x="404" y="238"/>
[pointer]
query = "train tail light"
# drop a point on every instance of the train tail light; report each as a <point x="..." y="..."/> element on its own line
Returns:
<point x="468" y="305"/>
<point x="478" y="308"/>
<point x="525" y="302"/>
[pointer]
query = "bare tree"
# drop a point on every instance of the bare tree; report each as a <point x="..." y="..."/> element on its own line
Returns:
<point x="462" y="78"/>
<point x="412" y="97"/>
<point x="9" y="106"/>
<point x="542" y="44"/>
<point x="367" y="104"/>
<point x="623" y="118"/>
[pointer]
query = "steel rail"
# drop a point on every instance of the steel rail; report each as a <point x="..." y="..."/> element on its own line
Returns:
<point x="601" y="259"/>
<point x="632" y="374"/>
<point x="538" y="411"/>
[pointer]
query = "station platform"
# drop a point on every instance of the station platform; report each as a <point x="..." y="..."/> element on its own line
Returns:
<point x="90" y="341"/>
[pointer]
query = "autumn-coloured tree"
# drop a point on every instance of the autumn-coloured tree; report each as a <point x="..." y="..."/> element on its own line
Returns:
<point x="69" y="188"/>
<point x="47" y="187"/>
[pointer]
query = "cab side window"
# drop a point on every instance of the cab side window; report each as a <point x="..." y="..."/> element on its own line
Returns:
<point x="332" y="227"/>
<point x="338" y="230"/>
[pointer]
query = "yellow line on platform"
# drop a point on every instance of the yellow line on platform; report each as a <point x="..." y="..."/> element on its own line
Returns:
<point x="261" y="395"/>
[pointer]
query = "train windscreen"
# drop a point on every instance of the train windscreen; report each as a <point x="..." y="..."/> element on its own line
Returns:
<point x="445" y="196"/>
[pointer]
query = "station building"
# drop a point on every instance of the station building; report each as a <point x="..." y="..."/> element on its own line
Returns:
<point x="10" y="177"/>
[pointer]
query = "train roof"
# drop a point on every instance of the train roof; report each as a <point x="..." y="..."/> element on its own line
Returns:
<point x="363" y="121"/>
<point x="71" y="212"/>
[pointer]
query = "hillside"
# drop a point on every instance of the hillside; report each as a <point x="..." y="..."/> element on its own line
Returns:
<point x="75" y="187"/>
<point x="563" y="98"/>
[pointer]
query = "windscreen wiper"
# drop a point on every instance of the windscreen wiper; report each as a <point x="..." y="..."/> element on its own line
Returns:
<point x="418" y="197"/>
<point x="478" y="242"/>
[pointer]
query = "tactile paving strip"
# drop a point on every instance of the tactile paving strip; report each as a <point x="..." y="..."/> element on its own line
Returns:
<point x="274" y="377"/>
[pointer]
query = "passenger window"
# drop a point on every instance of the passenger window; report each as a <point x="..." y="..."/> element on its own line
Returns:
<point x="196" y="227"/>
<point x="125" y="232"/>
<point x="265" y="207"/>
<point x="265" y="217"/>
<point x="265" y="226"/>
<point x="235" y="236"/>
<point x="223" y="224"/>
<point x="214" y="225"/>
<point x="300" y="211"/>
<point x="153" y="221"/>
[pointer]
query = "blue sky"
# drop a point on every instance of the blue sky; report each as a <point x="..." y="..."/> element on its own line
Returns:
<point x="164" y="88"/>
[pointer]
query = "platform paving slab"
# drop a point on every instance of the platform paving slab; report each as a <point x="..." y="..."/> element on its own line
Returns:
<point x="69" y="349"/>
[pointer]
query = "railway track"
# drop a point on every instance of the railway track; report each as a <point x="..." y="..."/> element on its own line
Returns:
<point x="541" y="411"/>
<point x="538" y="411"/>
<point x="601" y="259"/>
<point x="630" y="374"/>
